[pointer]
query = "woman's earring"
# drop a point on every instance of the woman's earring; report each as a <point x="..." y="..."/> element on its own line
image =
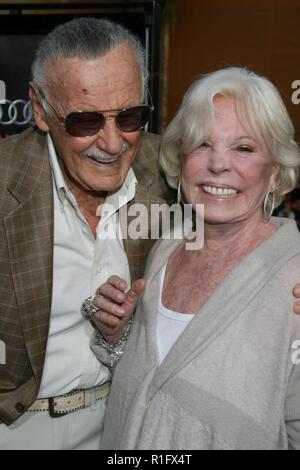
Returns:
<point x="179" y="191"/>
<point x="268" y="213"/>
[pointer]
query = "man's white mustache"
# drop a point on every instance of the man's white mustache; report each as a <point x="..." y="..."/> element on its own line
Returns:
<point x="94" y="152"/>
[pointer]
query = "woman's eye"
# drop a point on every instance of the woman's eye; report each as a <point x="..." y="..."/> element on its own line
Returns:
<point x="245" y="148"/>
<point x="204" y="145"/>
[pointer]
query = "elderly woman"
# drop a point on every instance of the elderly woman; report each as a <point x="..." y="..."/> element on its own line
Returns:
<point x="210" y="362"/>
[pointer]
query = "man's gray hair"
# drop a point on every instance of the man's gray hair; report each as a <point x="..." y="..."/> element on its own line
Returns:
<point x="87" y="38"/>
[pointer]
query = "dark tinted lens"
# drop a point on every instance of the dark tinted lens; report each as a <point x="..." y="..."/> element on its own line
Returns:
<point x="133" y="119"/>
<point x="84" y="124"/>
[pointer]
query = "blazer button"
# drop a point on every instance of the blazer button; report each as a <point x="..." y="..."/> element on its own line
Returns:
<point x="20" y="408"/>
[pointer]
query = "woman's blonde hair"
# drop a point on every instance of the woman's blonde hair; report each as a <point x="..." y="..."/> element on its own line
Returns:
<point x="258" y="104"/>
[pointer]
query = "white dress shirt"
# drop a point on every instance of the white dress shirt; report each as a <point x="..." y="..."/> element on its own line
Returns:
<point x="81" y="264"/>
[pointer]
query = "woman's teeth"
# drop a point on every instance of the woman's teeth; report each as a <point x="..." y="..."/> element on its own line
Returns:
<point x="222" y="192"/>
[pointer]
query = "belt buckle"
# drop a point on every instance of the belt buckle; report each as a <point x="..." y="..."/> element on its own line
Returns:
<point x="52" y="412"/>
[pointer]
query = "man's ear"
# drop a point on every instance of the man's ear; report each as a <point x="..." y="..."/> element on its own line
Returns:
<point x="38" y="112"/>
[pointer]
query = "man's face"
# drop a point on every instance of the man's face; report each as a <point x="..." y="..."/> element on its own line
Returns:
<point x="110" y="83"/>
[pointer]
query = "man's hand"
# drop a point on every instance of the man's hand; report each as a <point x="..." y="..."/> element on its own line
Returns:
<point x="296" y="293"/>
<point x="116" y="306"/>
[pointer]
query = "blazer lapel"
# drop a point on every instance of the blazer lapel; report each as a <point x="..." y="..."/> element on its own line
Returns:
<point x="29" y="230"/>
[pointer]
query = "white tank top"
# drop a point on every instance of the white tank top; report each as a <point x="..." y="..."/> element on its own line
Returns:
<point x="170" y="325"/>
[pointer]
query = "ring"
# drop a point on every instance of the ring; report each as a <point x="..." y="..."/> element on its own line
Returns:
<point x="89" y="308"/>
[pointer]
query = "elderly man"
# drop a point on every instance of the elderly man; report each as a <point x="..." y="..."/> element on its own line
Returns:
<point x="87" y="94"/>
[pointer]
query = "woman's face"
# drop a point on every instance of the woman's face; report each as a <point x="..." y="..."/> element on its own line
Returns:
<point x="231" y="172"/>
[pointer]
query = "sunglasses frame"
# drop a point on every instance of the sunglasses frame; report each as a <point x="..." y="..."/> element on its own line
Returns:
<point x="115" y="114"/>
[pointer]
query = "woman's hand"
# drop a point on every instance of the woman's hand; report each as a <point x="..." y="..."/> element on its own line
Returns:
<point x="116" y="306"/>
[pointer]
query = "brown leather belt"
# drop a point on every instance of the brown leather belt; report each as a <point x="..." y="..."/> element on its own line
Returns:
<point x="73" y="401"/>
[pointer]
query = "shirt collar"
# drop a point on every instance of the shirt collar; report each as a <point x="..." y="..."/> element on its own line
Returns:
<point x="114" y="201"/>
<point x="58" y="178"/>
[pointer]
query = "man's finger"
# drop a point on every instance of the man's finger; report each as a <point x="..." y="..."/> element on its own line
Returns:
<point x="136" y="290"/>
<point x="108" y="306"/>
<point x="107" y="320"/>
<point x="113" y="283"/>
<point x="117" y="282"/>
<point x="111" y="294"/>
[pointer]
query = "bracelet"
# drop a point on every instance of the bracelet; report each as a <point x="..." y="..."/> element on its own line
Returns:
<point x="110" y="353"/>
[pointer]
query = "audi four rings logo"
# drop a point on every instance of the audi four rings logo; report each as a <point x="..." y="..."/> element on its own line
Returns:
<point x="18" y="112"/>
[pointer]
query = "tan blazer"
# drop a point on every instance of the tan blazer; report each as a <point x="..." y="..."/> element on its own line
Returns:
<point x="26" y="257"/>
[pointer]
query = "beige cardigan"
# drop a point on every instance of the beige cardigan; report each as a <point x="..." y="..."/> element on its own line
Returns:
<point x="229" y="381"/>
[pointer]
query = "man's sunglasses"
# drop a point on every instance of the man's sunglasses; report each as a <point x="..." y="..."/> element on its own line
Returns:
<point x="85" y="123"/>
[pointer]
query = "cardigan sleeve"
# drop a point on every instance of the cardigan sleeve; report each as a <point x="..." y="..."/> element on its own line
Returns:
<point x="293" y="401"/>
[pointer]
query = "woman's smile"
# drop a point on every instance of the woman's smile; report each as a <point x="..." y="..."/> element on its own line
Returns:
<point x="220" y="192"/>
